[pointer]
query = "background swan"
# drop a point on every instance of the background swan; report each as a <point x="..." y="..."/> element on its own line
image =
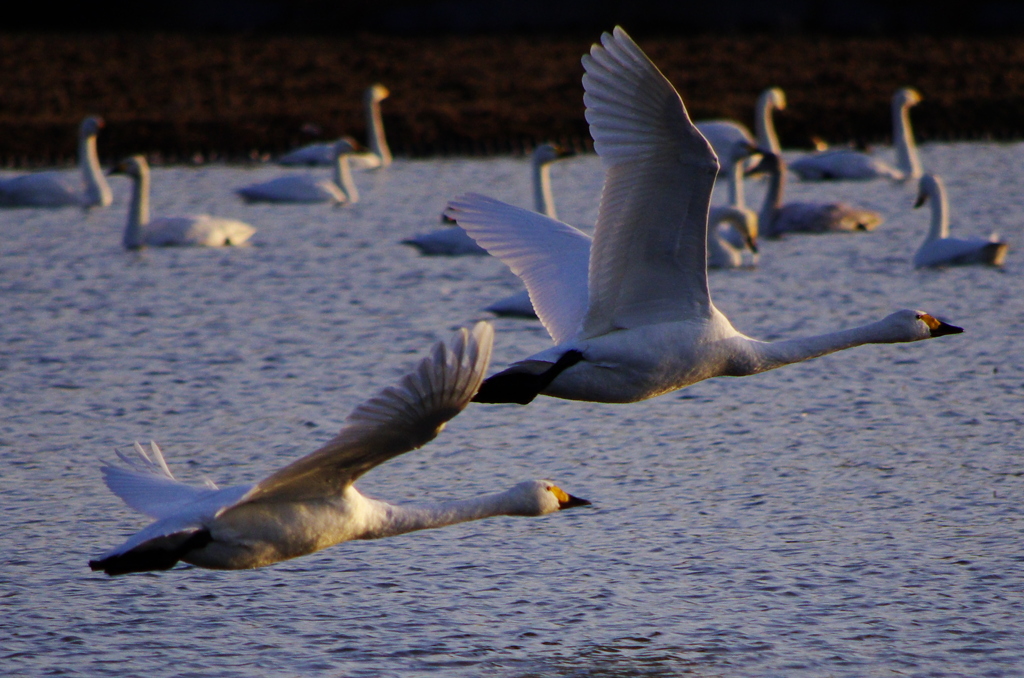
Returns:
<point x="58" y="189"/>
<point x="454" y="241"/>
<point x="306" y="188"/>
<point x="938" y="249"/>
<point x="311" y="503"/>
<point x="777" y="218"/>
<point x="200" y="229"/>
<point x="631" y="314"/>
<point x="723" y="135"/>
<point x="722" y="253"/>
<point x="846" y="163"/>
<point x="379" y="154"/>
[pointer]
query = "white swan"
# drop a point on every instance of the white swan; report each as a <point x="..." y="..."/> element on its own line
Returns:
<point x="311" y="503"/>
<point x="200" y="229"/>
<point x="306" y="188"/>
<point x="723" y="135"/>
<point x="722" y="253"/>
<point x="453" y="241"/>
<point x="379" y="154"/>
<point x="57" y="189"/>
<point x="631" y="315"/>
<point x="846" y="163"/>
<point x="777" y="218"/>
<point x="938" y="249"/>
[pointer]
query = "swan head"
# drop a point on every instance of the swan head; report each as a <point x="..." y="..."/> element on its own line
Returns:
<point x="907" y="96"/>
<point x="541" y="497"/>
<point x="928" y="185"/>
<point x="911" y="325"/>
<point x="742" y="219"/>
<point x="769" y="164"/>
<point x="547" y="153"/>
<point x="377" y="92"/>
<point x="91" y="126"/>
<point x="775" y="98"/>
<point x="346" y="145"/>
<point x="134" y="167"/>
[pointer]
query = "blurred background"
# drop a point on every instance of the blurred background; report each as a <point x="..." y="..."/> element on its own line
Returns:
<point x="236" y="80"/>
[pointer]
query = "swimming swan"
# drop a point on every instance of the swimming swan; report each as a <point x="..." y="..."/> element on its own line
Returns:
<point x="311" y="503"/>
<point x="200" y="229"/>
<point x="379" y="154"/>
<point x="777" y="218"/>
<point x="846" y="163"/>
<point x="631" y="315"/>
<point x="724" y="134"/>
<point x="57" y="189"/>
<point x="453" y="241"/>
<point x="306" y="188"/>
<point x="938" y="249"/>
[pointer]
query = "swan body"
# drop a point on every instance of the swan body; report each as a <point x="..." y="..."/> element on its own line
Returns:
<point x="56" y="189"/>
<point x="724" y="134"/>
<point x="453" y="241"/>
<point x="938" y="249"/>
<point x="379" y="155"/>
<point x="306" y="188"/>
<point x="201" y="229"/>
<point x="846" y="163"/>
<point x="777" y="218"/>
<point x="311" y="503"/>
<point x="630" y="313"/>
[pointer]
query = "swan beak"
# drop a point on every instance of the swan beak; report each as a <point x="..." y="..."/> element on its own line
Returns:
<point x="571" y="501"/>
<point x="752" y="244"/>
<point x="939" y="328"/>
<point x="921" y="197"/>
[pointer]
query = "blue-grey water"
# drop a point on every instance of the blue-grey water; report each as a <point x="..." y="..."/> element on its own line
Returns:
<point x="856" y="515"/>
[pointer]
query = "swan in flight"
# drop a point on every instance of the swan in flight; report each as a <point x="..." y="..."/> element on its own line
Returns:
<point x="777" y="218"/>
<point x="723" y="135"/>
<point x="306" y="188"/>
<point x="379" y="154"/>
<point x="57" y="189"/>
<point x="630" y="314"/>
<point x="938" y="249"/>
<point x="846" y="163"/>
<point x="200" y="229"/>
<point x="311" y="503"/>
<point x="453" y="241"/>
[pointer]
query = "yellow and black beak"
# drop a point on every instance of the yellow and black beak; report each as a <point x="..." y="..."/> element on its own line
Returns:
<point x="566" y="500"/>
<point x="939" y="328"/>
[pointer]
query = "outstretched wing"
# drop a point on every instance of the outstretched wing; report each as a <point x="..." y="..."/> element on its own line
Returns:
<point x="148" y="486"/>
<point x="549" y="256"/>
<point x="396" y="420"/>
<point x="648" y="259"/>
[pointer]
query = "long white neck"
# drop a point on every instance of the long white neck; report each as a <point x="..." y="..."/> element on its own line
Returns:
<point x="903" y="139"/>
<point x="764" y="125"/>
<point x="772" y="199"/>
<point x="343" y="178"/>
<point x="97" y="191"/>
<point x="375" y="138"/>
<point x="138" y="211"/>
<point x="736" y="194"/>
<point x="543" y="200"/>
<point x="401" y="519"/>
<point x="940" y="212"/>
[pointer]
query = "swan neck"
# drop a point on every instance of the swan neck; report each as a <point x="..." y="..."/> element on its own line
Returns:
<point x="940" y="213"/>
<point x="770" y="355"/>
<point x="375" y="138"/>
<point x="765" y="125"/>
<point x="97" y="190"/>
<point x="343" y="178"/>
<point x="907" y="160"/>
<point x="138" y="210"/>
<point x="403" y="519"/>
<point x="772" y="199"/>
<point x="736" y="193"/>
<point x="543" y="199"/>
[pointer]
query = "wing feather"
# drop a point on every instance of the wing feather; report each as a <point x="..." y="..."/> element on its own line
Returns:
<point x="148" y="486"/>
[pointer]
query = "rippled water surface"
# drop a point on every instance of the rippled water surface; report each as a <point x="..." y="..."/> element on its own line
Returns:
<point x="856" y="515"/>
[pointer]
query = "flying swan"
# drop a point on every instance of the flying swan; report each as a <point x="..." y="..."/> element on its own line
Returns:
<point x="631" y="315"/>
<point x="311" y="503"/>
<point x="200" y="229"/>
<point x="306" y="188"/>
<point x="57" y="189"/>
<point x="938" y="249"/>
<point x="379" y="154"/>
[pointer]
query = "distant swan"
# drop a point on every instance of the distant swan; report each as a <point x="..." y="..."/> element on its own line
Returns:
<point x="306" y="188"/>
<point x="938" y="249"/>
<point x="57" y="189"/>
<point x="379" y="154"/>
<point x="453" y="241"/>
<point x="200" y="229"/>
<point x="846" y="163"/>
<point x="777" y="218"/>
<point x="311" y="503"/>
<point x="723" y="135"/>
<point x="630" y="313"/>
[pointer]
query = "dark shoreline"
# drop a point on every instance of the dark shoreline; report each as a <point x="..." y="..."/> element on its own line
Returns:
<point x="187" y="98"/>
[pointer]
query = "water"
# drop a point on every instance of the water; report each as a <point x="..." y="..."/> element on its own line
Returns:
<point x="856" y="515"/>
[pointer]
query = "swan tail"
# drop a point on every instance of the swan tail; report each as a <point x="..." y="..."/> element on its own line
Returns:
<point x="160" y="553"/>
<point x="522" y="383"/>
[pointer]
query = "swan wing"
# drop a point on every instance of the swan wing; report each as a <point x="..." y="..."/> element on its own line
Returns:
<point x="398" y="419"/>
<point x="648" y="260"/>
<point x="549" y="256"/>
<point x="43" y="189"/>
